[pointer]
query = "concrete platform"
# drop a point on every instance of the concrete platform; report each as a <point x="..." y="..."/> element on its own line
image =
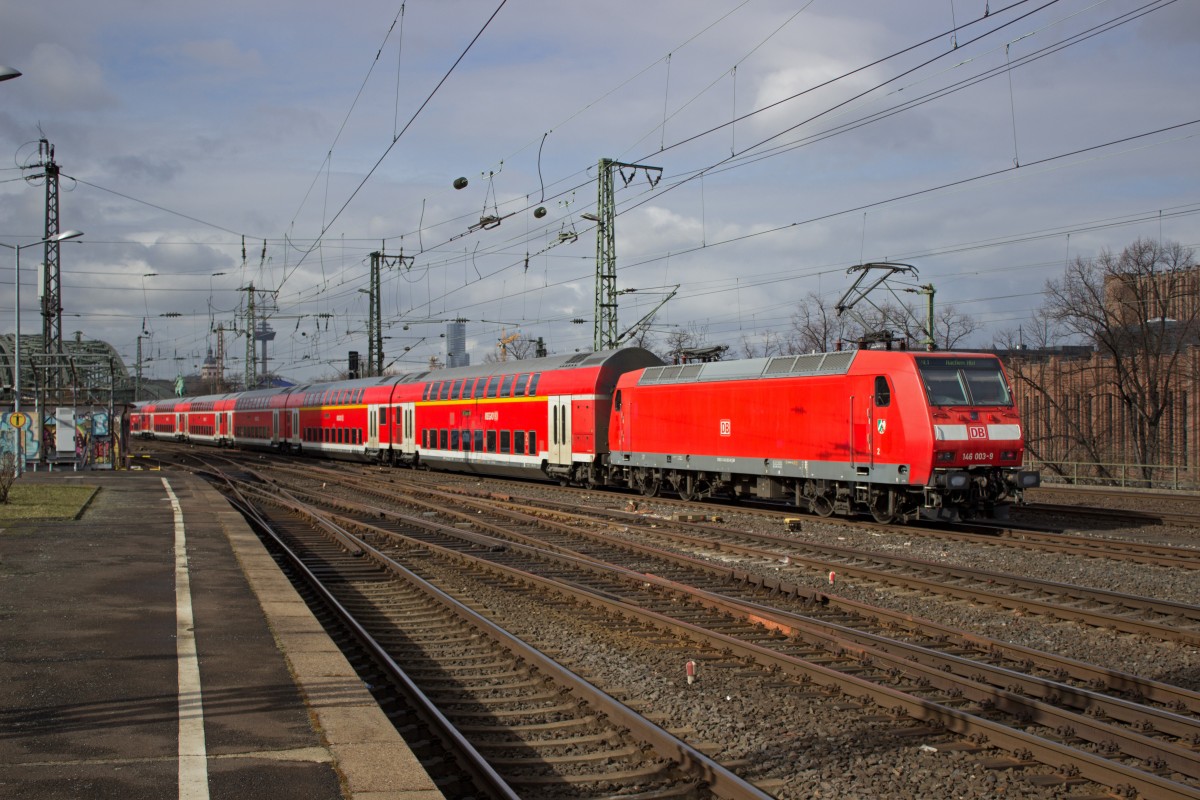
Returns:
<point x="113" y="686"/>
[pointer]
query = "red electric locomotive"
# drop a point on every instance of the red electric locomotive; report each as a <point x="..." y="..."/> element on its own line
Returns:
<point x="899" y="434"/>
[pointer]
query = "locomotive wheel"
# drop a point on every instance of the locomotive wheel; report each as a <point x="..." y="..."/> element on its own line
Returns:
<point x="687" y="489"/>
<point x="650" y="485"/>
<point x="822" y="506"/>
<point x="882" y="515"/>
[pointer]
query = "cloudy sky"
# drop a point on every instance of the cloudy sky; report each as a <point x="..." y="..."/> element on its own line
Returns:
<point x="983" y="142"/>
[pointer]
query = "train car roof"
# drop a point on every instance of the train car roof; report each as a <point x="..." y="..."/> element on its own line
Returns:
<point x="808" y="364"/>
<point x="627" y="358"/>
<point x="749" y="368"/>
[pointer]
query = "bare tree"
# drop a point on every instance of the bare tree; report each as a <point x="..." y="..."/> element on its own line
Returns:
<point x="1140" y="311"/>
<point x="767" y="343"/>
<point x="815" y="326"/>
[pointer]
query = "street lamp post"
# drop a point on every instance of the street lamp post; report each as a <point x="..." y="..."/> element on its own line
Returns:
<point x="17" y="248"/>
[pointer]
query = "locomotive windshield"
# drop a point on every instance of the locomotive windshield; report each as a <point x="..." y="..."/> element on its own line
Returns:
<point x="964" y="382"/>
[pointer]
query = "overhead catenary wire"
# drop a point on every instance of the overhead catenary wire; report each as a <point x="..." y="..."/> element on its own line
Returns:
<point x="396" y="138"/>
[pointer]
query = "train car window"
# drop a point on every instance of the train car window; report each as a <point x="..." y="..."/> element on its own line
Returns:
<point x="443" y="438"/>
<point x="444" y="394"/>
<point x="519" y="388"/>
<point x="519" y="442"/>
<point x="456" y="390"/>
<point x="465" y="439"/>
<point x="478" y="444"/>
<point x="506" y="386"/>
<point x="493" y="386"/>
<point x="491" y="441"/>
<point x="383" y="415"/>
<point x="883" y="393"/>
<point x="454" y="439"/>
<point x="505" y="441"/>
<point x="533" y="443"/>
<point x="617" y="400"/>
<point x="425" y="392"/>
<point x="424" y="438"/>
<point x="533" y="384"/>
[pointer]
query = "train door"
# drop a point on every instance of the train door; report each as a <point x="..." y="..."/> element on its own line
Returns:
<point x="408" y="427"/>
<point x="560" y="430"/>
<point x="880" y="432"/>
<point x="860" y="432"/>
<point x="229" y="425"/>
<point x="296" y="439"/>
<point x="373" y="427"/>
<point x="179" y="431"/>
<point x="275" y="426"/>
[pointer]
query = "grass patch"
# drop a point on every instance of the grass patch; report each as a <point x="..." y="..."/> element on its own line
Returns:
<point x="45" y="501"/>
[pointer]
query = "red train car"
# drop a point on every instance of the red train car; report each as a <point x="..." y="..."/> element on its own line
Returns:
<point x="541" y="418"/>
<point x="899" y="434"/>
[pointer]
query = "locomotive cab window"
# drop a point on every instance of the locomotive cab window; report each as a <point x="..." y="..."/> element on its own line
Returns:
<point x="988" y="387"/>
<point x="964" y="382"/>
<point x="883" y="393"/>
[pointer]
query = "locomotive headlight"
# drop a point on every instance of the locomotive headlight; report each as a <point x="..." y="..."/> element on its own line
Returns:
<point x="1008" y="455"/>
<point x="944" y="455"/>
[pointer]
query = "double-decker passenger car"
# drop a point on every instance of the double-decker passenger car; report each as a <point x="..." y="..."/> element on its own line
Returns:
<point x="894" y="433"/>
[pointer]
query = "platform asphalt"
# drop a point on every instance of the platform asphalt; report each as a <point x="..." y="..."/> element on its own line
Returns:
<point x="102" y="695"/>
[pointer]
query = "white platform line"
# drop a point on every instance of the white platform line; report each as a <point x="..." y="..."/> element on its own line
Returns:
<point x="193" y="758"/>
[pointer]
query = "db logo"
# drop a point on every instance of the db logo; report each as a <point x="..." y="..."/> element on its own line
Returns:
<point x="726" y="427"/>
<point x="977" y="432"/>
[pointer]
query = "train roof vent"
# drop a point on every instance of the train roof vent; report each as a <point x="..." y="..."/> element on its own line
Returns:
<point x="780" y="366"/>
<point x="690" y="371"/>
<point x="836" y="363"/>
<point x="651" y="375"/>
<point x="670" y="373"/>
<point x="575" y="359"/>
<point x="809" y="365"/>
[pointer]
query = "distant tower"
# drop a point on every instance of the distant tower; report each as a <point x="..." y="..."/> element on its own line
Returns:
<point x="456" y="345"/>
<point x="264" y="334"/>
<point x="208" y="372"/>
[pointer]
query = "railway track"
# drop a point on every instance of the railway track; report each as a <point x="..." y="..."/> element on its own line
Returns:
<point x="1147" y="727"/>
<point x="1113" y="610"/>
<point x="519" y="723"/>
<point x="931" y="673"/>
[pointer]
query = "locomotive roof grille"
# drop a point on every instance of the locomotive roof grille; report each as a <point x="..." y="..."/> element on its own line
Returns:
<point x="746" y="369"/>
